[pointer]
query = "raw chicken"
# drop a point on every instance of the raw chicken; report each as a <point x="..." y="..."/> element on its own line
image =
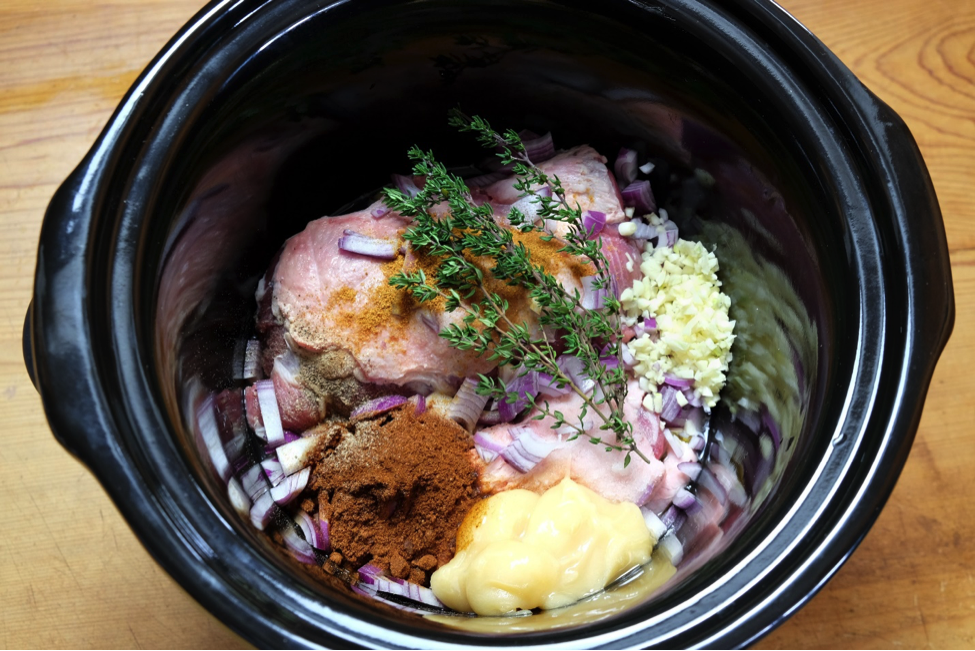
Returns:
<point x="580" y="460"/>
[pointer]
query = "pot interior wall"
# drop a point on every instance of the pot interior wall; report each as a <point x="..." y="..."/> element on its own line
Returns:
<point x="320" y="115"/>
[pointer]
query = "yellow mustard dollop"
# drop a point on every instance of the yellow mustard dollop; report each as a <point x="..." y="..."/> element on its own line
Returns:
<point x="518" y="550"/>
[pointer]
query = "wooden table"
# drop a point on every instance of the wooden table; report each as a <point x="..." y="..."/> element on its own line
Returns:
<point x="73" y="575"/>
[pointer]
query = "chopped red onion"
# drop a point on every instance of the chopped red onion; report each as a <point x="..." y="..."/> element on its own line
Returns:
<point x="262" y="511"/>
<point x="628" y="358"/>
<point x="377" y="406"/>
<point x="270" y="415"/>
<point x="238" y="497"/>
<point x="646" y="494"/>
<point x="668" y="234"/>
<point x="539" y="149"/>
<point x="670" y="408"/>
<point x="314" y="530"/>
<point x="379" y="212"/>
<point x="592" y="298"/>
<point x="673" y="518"/>
<point x="574" y="369"/>
<point x="593" y="222"/>
<point x="354" y="242"/>
<point x="252" y="360"/>
<point x="625" y="166"/>
<point x="654" y="523"/>
<point x="685" y="500"/>
<point x="406" y="185"/>
<point x="206" y="420"/>
<point x="549" y="387"/>
<point x="294" y="456"/>
<point x="527" y="448"/>
<point x="290" y="487"/>
<point x="679" y="382"/>
<point x="644" y="231"/>
<point x="697" y="443"/>
<point x="467" y="405"/>
<point x="254" y="481"/>
<point x="639" y="195"/>
<point x="420" y="402"/>
<point x="273" y="471"/>
<point x="524" y="386"/>
<point x="690" y="468"/>
<point x="299" y="547"/>
<point x="672" y="549"/>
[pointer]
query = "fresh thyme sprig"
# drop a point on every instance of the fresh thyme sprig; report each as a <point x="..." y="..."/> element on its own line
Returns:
<point x="468" y="231"/>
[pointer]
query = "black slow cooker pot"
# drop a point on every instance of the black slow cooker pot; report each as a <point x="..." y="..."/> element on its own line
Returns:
<point x="259" y="116"/>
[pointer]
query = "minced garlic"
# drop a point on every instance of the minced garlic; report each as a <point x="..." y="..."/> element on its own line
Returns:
<point x="680" y="289"/>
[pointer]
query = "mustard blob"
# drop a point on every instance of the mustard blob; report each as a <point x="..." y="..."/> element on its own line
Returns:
<point x="517" y="550"/>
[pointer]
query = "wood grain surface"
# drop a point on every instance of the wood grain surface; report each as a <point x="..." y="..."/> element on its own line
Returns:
<point x="73" y="575"/>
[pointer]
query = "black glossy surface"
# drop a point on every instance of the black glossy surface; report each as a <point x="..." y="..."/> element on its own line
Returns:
<point x="243" y="129"/>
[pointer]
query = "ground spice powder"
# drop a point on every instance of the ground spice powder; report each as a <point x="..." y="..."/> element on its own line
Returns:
<point x="394" y="491"/>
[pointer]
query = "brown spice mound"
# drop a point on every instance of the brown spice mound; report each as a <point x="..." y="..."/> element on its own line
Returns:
<point x="395" y="490"/>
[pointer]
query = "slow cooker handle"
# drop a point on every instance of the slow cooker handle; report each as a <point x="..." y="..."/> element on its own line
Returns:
<point x="28" y="345"/>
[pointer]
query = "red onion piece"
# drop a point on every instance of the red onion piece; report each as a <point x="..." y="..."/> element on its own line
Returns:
<point x="539" y="149"/>
<point x="673" y="518"/>
<point x="238" y="497"/>
<point x="670" y="408"/>
<point x="679" y="382"/>
<point x="377" y="406"/>
<point x="206" y="420"/>
<point x="593" y="223"/>
<point x="625" y="166"/>
<point x="549" y="387"/>
<point x="270" y="415"/>
<point x="254" y="481"/>
<point x="528" y="448"/>
<point x="290" y="487"/>
<point x="406" y="185"/>
<point x="314" y="530"/>
<point x="354" y="242"/>
<point x="419" y="402"/>
<point x="644" y="231"/>
<point x="294" y="456"/>
<point x="685" y="500"/>
<point x="466" y="407"/>
<point x="654" y="523"/>
<point x="379" y="212"/>
<point x="574" y="369"/>
<point x="690" y="468"/>
<point x="273" y="471"/>
<point x="668" y="234"/>
<point x="639" y="195"/>
<point x="262" y="511"/>
<point x="592" y="298"/>
<point x="369" y="573"/>
<point x="298" y="546"/>
<point x="672" y="549"/>
<point x="524" y="386"/>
